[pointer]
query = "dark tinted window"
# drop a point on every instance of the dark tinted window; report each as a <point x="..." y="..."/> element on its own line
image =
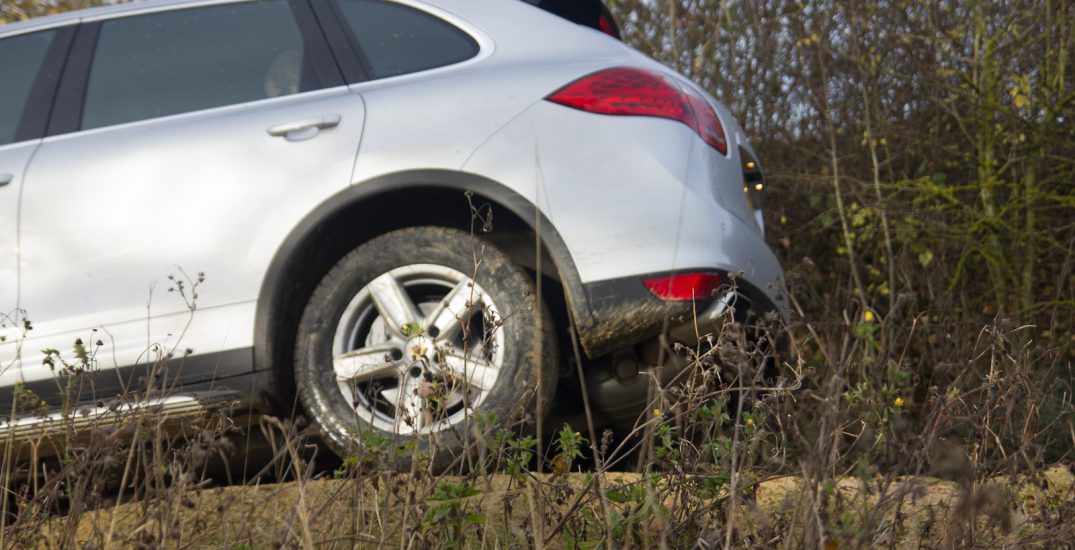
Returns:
<point x="397" y="39"/>
<point x="178" y="61"/>
<point x="20" y="60"/>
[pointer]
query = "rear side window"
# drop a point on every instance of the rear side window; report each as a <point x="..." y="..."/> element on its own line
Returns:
<point x="186" y="60"/>
<point x="20" y="61"/>
<point x="397" y="39"/>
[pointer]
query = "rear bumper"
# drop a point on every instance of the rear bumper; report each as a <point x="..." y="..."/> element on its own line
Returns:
<point x="624" y="312"/>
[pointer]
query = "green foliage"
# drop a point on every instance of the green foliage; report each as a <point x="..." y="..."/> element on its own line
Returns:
<point x="920" y="159"/>
<point x="412" y="329"/>
<point x="518" y="452"/>
<point x="449" y="511"/>
<point x="27" y="400"/>
<point x="666" y="442"/>
<point x="922" y="153"/>
<point x="569" y="444"/>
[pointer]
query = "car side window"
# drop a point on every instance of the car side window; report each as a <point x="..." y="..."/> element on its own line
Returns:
<point x="186" y="60"/>
<point x="20" y="60"/>
<point x="398" y="39"/>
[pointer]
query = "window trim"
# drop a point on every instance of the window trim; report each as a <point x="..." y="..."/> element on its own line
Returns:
<point x="317" y="46"/>
<point x="70" y="99"/>
<point x="344" y="48"/>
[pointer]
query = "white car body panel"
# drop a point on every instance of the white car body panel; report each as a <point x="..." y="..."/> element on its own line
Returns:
<point x="13" y="161"/>
<point x="112" y="212"/>
<point x="446" y="113"/>
<point x="625" y="196"/>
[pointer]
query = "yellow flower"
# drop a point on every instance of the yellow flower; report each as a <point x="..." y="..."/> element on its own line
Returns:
<point x="656" y="412"/>
<point x="899" y="402"/>
<point x="868" y="316"/>
<point x="750" y="422"/>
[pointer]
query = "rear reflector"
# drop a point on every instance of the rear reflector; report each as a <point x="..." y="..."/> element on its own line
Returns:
<point x="627" y="91"/>
<point x="688" y="286"/>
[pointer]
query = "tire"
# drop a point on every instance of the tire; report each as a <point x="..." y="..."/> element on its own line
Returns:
<point x="413" y="333"/>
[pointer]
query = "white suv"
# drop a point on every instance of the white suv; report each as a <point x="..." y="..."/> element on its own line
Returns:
<point x="404" y="210"/>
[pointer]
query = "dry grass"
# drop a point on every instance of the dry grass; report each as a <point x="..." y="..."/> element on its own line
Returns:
<point x="723" y="457"/>
<point x="913" y="512"/>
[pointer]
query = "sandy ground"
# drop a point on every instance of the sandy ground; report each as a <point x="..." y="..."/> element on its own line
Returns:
<point x="499" y="511"/>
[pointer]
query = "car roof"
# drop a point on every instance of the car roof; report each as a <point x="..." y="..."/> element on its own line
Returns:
<point x="137" y="6"/>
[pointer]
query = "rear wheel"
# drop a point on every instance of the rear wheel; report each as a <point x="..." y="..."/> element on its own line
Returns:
<point x="414" y="333"/>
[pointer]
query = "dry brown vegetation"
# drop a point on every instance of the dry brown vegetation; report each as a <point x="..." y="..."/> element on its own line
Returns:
<point x="919" y="160"/>
<point x="913" y="512"/>
<point x="720" y="460"/>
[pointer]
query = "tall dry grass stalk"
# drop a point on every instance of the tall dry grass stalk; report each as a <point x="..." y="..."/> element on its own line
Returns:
<point x="723" y="456"/>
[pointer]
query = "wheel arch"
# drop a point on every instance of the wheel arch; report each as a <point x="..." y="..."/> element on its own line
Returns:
<point x="396" y="201"/>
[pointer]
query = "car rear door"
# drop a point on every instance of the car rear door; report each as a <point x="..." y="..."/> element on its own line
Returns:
<point x="29" y="70"/>
<point x="186" y="140"/>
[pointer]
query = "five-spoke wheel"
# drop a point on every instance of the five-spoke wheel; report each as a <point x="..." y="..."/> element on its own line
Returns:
<point x="418" y="348"/>
<point x="416" y="331"/>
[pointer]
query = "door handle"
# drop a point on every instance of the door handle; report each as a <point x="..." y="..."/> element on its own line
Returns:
<point x="305" y="129"/>
<point x="6" y="178"/>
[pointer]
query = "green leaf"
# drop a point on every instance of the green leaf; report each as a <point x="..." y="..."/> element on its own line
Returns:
<point x="410" y="330"/>
<point x="925" y="257"/>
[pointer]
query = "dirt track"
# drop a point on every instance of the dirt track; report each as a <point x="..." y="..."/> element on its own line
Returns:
<point x="498" y="510"/>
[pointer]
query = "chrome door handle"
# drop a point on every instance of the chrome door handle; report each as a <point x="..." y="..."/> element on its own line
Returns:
<point x="305" y="129"/>
<point x="6" y="178"/>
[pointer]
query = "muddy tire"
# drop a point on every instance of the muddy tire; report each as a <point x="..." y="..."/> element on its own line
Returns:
<point x="411" y="335"/>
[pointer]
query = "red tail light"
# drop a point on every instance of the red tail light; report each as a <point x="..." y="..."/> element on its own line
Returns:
<point x="688" y="286"/>
<point x="635" y="92"/>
